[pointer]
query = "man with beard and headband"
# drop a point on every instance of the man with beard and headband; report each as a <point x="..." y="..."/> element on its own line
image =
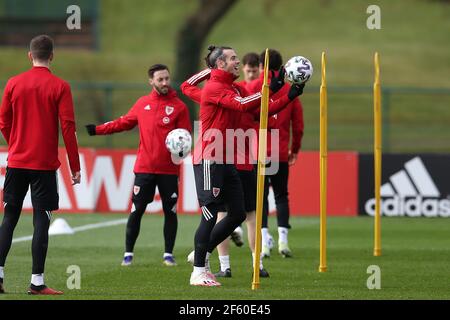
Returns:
<point x="156" y="115"/>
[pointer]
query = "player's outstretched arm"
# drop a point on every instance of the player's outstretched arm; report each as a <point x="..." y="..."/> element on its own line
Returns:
<point x="232" y="100"/>
<point x="279" y="104"/>
<point x="124" y="123"/>
<point x="189" y="87"/>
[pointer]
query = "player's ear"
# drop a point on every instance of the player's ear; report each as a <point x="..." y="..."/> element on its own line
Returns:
<point x="150" y="81"/>
<point x="30" y="56"/>
<point x="51" y="57"/>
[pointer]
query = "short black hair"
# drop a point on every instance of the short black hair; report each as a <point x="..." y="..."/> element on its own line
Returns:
<point x="41" y="47"/>
<point x="275" y="59"/>
<point x="156" y="67"/>
<point x="252" y="59"/>
<point x="214" y="54"/>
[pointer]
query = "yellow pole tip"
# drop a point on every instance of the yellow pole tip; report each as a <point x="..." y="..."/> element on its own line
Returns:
<point x="255" y="286"/>
<point x="322" y="269"/>
<point x="377" y="253"/>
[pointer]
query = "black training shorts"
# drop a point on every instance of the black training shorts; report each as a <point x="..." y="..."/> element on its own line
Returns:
<point x="219" y="184"/>
<point x="146" y="183"/>
<point x="248" y="179"/>
<point x="43" y="184"/>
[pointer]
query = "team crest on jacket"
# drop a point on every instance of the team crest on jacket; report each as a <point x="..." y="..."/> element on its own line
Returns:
<point x="169" y="110"/>
<point x="166" y="120"/>
<point x="136" y="190"/>
<point x="216" y="191"/>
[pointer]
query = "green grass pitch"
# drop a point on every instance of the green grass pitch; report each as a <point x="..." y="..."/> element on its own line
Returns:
<point x="414" y="265"/>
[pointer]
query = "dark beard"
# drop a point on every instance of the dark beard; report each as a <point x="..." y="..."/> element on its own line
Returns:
<point x="160" y="92"/>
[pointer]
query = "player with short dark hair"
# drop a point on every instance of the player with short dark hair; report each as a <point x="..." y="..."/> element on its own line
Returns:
<point x="32" y="104"/>
<point x="250" y="67"/>
<point x="291" y="116"/>
<point x="156" y="115"/>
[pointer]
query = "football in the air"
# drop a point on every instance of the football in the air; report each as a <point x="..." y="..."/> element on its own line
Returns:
<point x="178" y="142"/>
<point x="298" y="69"/>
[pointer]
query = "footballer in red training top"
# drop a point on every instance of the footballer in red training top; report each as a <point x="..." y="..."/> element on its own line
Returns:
<point x="292" y="115"/>
<point x="32" y="105"/>
<point x="156" y="115"/>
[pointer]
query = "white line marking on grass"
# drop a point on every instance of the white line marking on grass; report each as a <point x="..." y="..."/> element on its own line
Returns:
<point x="81" y="228"/>
<point x="21" y="239"/>
<point x="100" y="225"/>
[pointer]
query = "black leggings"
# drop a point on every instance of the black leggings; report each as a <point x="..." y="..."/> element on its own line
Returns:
<point x="170" y="226"/>
<point x="143" y="193"/>
<point x="41" y="223"/>
<point x="279" y="182"/>
<point x="209" y="234"/>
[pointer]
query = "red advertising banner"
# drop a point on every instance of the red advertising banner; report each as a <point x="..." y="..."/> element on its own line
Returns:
<point x="107" y="183"/>
<point x="342" y="189"/>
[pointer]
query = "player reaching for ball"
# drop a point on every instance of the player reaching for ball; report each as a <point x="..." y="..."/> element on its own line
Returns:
<point x="217" y="181"/>
<point x="156" y="115"/>
<point x="289" y="123"/>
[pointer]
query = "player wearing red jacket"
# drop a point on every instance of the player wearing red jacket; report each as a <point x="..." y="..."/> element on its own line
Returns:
<point x="282" y="121"/>
<point x="33" y="103"/>
<point x="156" y="115"/>
<point x="217" y="181"/>
<point x="245" y="170"/>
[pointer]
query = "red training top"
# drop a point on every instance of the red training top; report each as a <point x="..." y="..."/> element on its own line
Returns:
<point x="220" y="99"/>
<point x="156" y="115"/>
<point x="293" y="113"/>
<point x="32" y="103"/>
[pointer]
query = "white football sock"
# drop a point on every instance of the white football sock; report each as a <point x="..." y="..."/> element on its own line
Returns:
<point x="265" y="236"/>
<point x="37" y="279"/>
<point x="207" y="266"/>
<point x="282" y="235"/>
<point x="1" y="273"/>
<point x="260" y="261"/>
<point x="224" y="263"/>
<point x="127" y="254"/>
<point x="198" y="270"/>
<point x="167" y="255"/>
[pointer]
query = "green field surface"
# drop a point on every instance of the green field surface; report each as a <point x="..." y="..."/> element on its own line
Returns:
<point x="414" y="265"/>
<point x="412" y="42"/>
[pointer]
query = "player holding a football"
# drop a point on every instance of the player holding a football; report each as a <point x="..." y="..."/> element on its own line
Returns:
<point x="156" y="114"/>
<point x="217" y="180"/>
<point x="289" y="117"/>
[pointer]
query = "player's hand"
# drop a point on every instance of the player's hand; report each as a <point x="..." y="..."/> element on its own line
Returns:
<point x="295" y="91"/>
<point x="292" y="158"/>
<point x="276" y="83"/>
<point x="76" y="177"/>
<point x="91" y="129"/>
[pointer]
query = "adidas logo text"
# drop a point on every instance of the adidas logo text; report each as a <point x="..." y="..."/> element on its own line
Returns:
<point x="410" y="192"/>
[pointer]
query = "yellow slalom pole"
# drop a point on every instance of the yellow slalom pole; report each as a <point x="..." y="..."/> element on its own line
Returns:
<point x="377" y="155"/>
<point x="323" y="168"/>
<point x="262" y="150"/>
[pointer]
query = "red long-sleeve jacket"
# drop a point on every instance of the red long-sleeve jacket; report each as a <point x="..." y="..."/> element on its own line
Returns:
<point x="32" y="104"/>
<point x="223" y="104"/>
<point x="291" y="114"/>
<point x="156" y="115"/>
